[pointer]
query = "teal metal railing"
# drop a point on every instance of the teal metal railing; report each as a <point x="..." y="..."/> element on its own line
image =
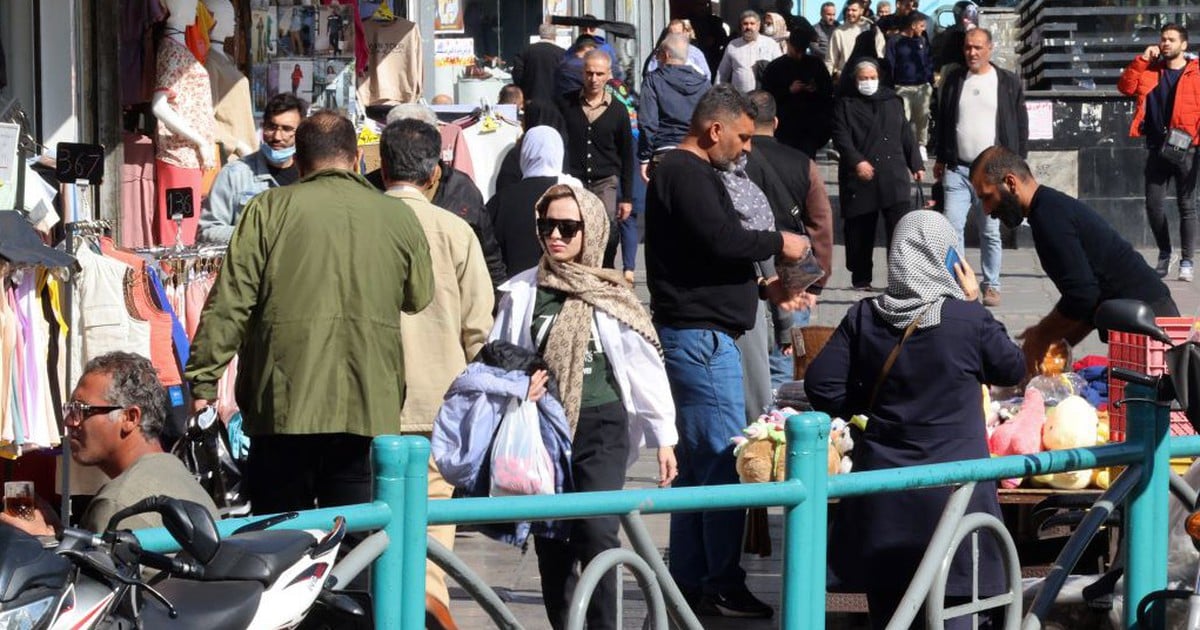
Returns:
<point x="402" y="510"/>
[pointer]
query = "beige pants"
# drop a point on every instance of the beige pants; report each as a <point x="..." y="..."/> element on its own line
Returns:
<point x="916" y="109"/>
<point x="435" y="577"/>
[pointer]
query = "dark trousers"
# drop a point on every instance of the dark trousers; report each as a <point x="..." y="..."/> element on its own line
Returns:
<point x="859" y="233"/>
<point x="1159" y="173"/>
<point x="300" y="472"/>
<point x="600" y="447"/>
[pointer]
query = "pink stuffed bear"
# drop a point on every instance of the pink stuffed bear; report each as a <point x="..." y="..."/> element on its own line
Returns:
<point x="1022" y="435"/>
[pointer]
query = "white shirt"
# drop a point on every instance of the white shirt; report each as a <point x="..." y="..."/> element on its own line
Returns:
<point x="737" y="66"/>
<point x="976" y="126"/>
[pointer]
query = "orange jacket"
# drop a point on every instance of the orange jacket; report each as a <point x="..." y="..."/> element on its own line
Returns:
<point x="1141" y="77"/>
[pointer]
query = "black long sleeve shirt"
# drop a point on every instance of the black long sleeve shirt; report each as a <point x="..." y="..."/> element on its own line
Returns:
<point x="699" y="258"/>
<point x="602" y="148"/>
<point x="1086" y="258"/>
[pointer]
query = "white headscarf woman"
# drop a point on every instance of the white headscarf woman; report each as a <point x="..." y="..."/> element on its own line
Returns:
<point x="542" y="155"/>
<point x="918" y="278"/>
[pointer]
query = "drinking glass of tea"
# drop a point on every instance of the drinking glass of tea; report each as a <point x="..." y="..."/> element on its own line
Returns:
<point x="19" y="499"/>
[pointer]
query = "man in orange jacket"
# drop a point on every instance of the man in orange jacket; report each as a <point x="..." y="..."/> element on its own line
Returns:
<point x="1167" y="86"/>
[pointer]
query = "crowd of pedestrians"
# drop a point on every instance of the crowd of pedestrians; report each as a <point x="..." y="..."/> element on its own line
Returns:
<point x="416" y="279"/>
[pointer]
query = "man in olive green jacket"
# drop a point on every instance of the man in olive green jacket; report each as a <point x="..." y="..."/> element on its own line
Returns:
<point x="309" y="298"/>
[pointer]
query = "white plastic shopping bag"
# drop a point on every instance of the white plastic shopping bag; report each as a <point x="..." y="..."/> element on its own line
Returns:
<point x="520" y="462"/>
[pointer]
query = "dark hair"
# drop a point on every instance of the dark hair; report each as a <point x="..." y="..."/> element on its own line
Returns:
<point x="721" y="103"/>
<point x="508" y="94"/>
<point x="827" y="4"/>
<point x="997" y="161"/>
<point x="325" y="137"/>
<point x="133" y="382"/>
<point x="913" y="19"/>
<point x="765" y="104"/>
<point x="540" y="112"/>
<point x="1177" y="28"/>
<point x="281" y="103"/>
<point x="554" y="193"/>
<point x="409" y="150"/>
<point x="585" y="41"/>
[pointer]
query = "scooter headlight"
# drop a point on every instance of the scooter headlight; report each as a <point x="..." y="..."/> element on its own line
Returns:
<point x="28" y="616"/>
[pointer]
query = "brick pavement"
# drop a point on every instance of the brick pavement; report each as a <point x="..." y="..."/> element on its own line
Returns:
<point x="1027" y="295"/>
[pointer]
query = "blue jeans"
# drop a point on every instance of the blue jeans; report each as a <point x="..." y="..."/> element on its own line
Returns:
<point x="960" y="199"/>
<point x="705" y="371"/>
<point x="781" y="365"/>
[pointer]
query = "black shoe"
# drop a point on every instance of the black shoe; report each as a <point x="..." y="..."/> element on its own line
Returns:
<point x="739" y="603"/>
<point x="701" y="605"/>
<point x="1164" y="265"/>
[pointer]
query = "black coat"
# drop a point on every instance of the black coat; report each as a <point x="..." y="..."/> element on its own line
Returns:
<point x="929" y="410"/>
<point x="874" y="129"/>
<point x="1012" y="120"/>
<point x="512" y="216"/>
<point x="535" y="68"/>
<point x="804" y="117"/>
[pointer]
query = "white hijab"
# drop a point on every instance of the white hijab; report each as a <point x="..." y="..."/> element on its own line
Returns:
<point x="541" y="153"/>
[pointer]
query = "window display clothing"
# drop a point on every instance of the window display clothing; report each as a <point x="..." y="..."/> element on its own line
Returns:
<point x="137" y="191"/>
<point x="488" y="142"/>
<point x="189" y="92"/>
<point x="232" y="107"/>
<point x="394" y="73"/>
<point x="138" y="18"/>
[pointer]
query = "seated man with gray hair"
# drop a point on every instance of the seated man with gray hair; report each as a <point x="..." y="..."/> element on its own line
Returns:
<point x="113" y="421"/>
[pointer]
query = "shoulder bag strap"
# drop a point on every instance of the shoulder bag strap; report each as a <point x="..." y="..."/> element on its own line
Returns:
<point x="887" y="365"/>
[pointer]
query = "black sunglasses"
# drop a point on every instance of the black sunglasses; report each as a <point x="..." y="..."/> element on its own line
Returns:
<point x="567" y="228"/>
<point x="75" y="412"/>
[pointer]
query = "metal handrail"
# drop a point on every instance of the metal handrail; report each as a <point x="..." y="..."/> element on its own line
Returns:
<point x="403" y="510"/>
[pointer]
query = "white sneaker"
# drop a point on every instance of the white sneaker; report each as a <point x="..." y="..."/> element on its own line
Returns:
<point x="1185" y="271"/>
<point x="924" y="154"/>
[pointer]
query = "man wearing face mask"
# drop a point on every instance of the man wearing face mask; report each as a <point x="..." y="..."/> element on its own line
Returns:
<point x="738" y="65"/>
<point x="269" y="167"/>
<point x="1088" y="261"/>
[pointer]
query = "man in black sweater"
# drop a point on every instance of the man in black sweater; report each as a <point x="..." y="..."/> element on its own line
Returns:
<point x="1088" y="261"/>
<point x="703" y="294"/>
<point x="534" y="69"/>
<point x="600" y="144"/>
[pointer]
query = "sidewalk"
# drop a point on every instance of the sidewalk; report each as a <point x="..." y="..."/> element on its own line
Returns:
<point x="1027" y="295"/>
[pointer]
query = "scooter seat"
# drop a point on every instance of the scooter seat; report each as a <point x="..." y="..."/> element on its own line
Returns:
<point x="202" y="605"/>
<point x="259" y="556"/>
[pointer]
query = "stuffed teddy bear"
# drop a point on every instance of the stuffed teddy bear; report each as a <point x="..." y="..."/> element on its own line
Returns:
<point x="1071" y="423"/>
<point x="1022" y="435"/>
<point x="759" y="457"/>
<point x="840" y="445"/>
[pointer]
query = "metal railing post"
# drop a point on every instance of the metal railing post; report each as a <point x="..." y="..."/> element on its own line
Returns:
<point x="1146" y="516"/>
<point x="398" y="578"/>
<point x="804" y="529"/>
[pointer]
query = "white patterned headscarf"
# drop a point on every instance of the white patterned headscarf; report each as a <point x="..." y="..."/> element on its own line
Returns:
<point x="918" y="280"/>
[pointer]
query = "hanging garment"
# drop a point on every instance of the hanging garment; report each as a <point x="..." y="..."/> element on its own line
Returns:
<point x="232" y="106"/>
<point x="137" y="49"/>
<point x="100" y="316"/>
<point x="137" y="191"/>
<point x="197" y="33"/>
<point x="138" y="291"/>
<point x="455" y="151"/>
<point x="11" y="434"/>
<point x="394" y="72"/>
<point x="488" y="142"/>
<point x="40" y="422"/>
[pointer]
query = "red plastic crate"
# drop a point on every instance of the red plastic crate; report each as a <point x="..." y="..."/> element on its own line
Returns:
<point x="1140" y="353"/>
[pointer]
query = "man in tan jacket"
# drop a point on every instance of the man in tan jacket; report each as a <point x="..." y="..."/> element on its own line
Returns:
<point x="440" y="340"/>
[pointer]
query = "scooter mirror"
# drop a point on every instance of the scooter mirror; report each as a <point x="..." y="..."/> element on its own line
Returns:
<point x="193" y="527"/>
<point x="1129" y="316"/>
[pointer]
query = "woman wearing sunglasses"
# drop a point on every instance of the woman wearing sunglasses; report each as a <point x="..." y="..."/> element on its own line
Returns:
<point x="595" y="335"/>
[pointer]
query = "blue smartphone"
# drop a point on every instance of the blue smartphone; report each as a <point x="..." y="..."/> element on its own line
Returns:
<point x="951" y="260"/>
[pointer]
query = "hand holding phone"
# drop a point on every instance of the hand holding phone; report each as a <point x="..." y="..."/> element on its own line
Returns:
<point x="951" y="260"/>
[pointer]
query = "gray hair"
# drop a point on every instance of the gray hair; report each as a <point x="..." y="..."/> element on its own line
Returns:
<point x="676" y="47"/>
<point x="134" y="383"/>
<point x="417" y="111"/>
<point x="866" y="63"/>
<point x="750" y="13"/>
<point x="547" y="31"/>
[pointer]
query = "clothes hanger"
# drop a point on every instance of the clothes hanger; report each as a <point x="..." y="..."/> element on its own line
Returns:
<point x="383" y="13"/>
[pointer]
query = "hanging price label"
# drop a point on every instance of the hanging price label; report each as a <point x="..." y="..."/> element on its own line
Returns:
<point x="78" y="161"/>
<point x="179" y="203"/>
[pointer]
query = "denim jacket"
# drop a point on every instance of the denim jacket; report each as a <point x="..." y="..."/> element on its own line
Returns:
<point x="234" y="186"/>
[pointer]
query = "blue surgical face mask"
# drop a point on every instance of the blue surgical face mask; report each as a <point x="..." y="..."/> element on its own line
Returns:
<point x="277" y="156"/>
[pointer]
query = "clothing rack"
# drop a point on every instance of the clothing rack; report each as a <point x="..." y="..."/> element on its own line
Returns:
<point x="171" y="253"/>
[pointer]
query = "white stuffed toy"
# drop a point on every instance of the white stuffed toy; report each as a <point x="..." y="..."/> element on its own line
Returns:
<point x="1069" y="424"/>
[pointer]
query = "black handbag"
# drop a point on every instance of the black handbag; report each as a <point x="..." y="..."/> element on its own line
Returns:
<point x="1183" y="361"/>
<point x="1176" y="147"/>
<point x="205" y="452"/>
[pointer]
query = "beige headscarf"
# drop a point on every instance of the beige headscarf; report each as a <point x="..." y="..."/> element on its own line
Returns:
<point x="587" y="286"/>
